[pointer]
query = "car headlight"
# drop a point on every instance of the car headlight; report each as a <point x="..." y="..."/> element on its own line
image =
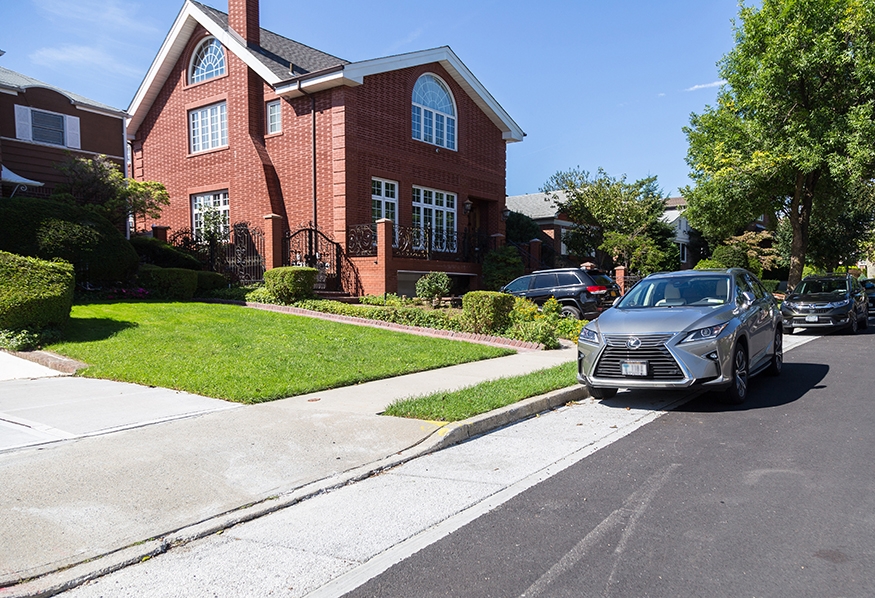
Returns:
<point x="791" y="305"/>
<point x="589" y="336"/>
<point x="842" y="303"/>
<point x="705" y="334"/>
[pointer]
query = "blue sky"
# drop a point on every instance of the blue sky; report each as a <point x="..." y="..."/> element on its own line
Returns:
<point x="593" y="83"/>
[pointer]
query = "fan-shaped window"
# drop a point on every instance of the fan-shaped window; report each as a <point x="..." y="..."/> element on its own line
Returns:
<point x="434" y="112"/>
<point x="207" y="62"/>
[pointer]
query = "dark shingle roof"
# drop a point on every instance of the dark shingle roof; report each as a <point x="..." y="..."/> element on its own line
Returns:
<point x="278" y="53"/>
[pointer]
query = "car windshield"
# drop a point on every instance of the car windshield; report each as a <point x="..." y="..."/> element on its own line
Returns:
<point x="837" y="286"/>
<point x="676" y="292"/>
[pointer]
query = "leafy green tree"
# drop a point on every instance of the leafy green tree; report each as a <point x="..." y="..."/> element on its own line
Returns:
<point x="792" y="132"/>
<point x="521" y="229"/>
<point x="619" y="218"/>
<point x="99" y="185"/>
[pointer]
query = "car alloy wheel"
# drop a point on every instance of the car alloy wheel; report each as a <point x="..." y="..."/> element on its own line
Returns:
<point x="777" y="363"/>
<point x="854" y="326"/>
<point x="737" y="391"/>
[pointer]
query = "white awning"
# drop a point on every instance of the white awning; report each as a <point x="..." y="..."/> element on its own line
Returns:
<point x="7" y="176"/>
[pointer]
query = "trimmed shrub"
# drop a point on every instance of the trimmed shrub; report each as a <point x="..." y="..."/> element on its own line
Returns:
<point x="174" y="284"/>
<point x="48" y="229"/>
<point x="162" y="254"/>
<point x="209" y="281"/>
<point x="433" y="286"/>
<point x="771" y="285"/>
<point x="709" y="264"/>
<point x="290" y="283"/>
<point x="501" y="266"/>
<point x="487" y="311"/>
<point x="34" y="294"/>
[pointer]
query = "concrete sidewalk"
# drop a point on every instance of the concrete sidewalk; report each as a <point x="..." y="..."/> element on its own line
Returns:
<point x="126" y="482"/>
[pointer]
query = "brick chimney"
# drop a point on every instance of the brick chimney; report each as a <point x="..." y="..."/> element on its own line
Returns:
<point x="243" y="18"/>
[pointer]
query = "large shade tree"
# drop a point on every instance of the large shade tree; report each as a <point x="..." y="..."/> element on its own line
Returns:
<point x="793" y="131"/>
<point x="620" y="218"/>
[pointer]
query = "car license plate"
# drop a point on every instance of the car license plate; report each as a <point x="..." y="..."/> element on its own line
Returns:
<point x="811" y="318"/>
<point x="633" y="368"/>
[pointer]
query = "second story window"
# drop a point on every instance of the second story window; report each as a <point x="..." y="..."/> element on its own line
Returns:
<point x="274" y="117"/>
<point x="42" y="126"/>
<point x="208" y="127"/>
<point x="434" y="112"/>
<point x="208" y="61"/>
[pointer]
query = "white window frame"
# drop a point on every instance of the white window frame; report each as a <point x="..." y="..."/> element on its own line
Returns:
<point x="682" y="247"/>
<point x="436" y="210"/>
<point x="208" y="127"/>
<point x="431" y="125"/>
<point x="384" y="204"/>
<point x="274" y="114"/>
<point x="24" y="128"/>
<point x="209" y="48"/>
<point x="201" y="202"/>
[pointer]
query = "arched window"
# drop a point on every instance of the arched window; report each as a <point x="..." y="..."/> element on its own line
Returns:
<point x="207" y="62"/>
<point x="434" y="112"/>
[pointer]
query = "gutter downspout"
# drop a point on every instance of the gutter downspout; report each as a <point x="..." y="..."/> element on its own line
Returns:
<point x="313" y="112"/>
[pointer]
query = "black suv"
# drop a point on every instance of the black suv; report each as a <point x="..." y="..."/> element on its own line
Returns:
<point x="581" y="293"/>
<point x="829" y="301"/>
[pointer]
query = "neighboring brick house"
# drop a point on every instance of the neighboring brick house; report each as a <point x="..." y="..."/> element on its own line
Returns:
<point x="541" y="208"/>
<point x="399" y="160"/>
<point x="42" y="125"/>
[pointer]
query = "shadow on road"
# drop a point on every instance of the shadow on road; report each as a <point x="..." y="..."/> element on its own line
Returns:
<point x="765" y="392"/>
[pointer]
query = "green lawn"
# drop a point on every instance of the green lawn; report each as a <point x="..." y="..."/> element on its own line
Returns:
<point x="243" y="354"/>
<point x="486" y="396"/>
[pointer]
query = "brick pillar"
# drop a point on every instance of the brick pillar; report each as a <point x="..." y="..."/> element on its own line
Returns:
<point x="620" y="277"/>
<point x="160" y="232"/>
<point x="387" y="274"/>
<point x="273" y="241"/>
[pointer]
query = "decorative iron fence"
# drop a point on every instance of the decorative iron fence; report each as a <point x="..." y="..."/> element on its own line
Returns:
<point x="420" y="243"/>
<point x="237" y="253"/>
<point x="312" y="248"/>
<point x="361" y="240"/>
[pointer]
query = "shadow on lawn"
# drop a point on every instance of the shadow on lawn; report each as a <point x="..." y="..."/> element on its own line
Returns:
<point x="84" y="330"/>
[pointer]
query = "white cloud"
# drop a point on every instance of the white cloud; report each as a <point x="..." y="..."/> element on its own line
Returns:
<point x="112" y="17"/>
<point x="83" y="57"/>
<point x="706" y="85"/>
<point x="412" y="37"/>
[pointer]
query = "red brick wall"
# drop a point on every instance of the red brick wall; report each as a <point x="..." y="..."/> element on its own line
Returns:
<point x="361" y="132"/>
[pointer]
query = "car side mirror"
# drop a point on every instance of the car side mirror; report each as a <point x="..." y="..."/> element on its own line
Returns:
<point x="748" y="297"/>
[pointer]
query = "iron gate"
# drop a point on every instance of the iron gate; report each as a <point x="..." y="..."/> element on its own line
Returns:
<point x="312" y="248"/>
<point x="244" y="253"/>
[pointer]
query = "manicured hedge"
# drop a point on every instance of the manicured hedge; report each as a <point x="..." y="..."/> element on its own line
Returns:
<point x="48" y="229"/>
<point x="163" y="254"/>
<point x="209" y="281"/>
<point x="487" y="311"/>
<point x="34" y="293"/>
<point x="290" y="283"/>
<point x="174" y="284"/>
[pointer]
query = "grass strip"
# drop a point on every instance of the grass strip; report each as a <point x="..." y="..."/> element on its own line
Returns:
<point x="242" y="354"/>
<point x="486" y="396"/>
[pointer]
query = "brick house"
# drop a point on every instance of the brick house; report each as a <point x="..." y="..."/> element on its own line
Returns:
<point x="42" y="125"/>
<point x="375" y="171"/>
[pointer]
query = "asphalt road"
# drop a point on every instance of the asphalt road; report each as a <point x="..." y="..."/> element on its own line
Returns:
<point x="773" y="498"/>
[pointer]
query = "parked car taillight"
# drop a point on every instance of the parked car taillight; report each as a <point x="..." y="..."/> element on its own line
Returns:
<point x="597" y="289"/>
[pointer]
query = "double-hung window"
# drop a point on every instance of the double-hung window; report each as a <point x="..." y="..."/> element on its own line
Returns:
<point x="434" y="216"/>
<point x="274" y="117"/>
<point x="384" y="203"/>
<point x="208" y="127"/>
<point x="210" y="213"/>
<point x="42" y="126"/>
<point x="433" y="114"/>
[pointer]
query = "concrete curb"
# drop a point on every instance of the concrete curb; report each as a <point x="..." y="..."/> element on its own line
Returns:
<point x="51" y="360"/>
<point x="55" y="582"/>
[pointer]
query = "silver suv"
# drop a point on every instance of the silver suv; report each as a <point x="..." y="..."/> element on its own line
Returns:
<point x="709" y="328"/>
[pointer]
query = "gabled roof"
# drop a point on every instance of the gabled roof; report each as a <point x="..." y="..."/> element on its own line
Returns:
<point x="292" y="68"/>
<point x="16" y="82"/>
<point x="535" y="205"/>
